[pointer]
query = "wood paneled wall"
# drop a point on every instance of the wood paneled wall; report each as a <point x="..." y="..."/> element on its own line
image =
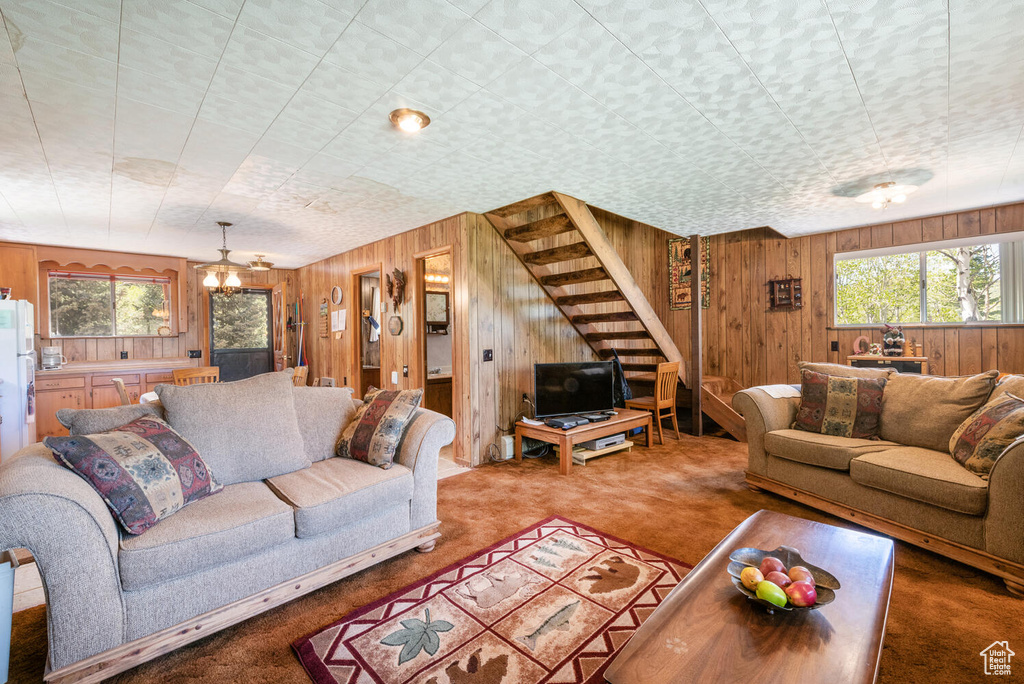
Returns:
<point x="745" y="341"/>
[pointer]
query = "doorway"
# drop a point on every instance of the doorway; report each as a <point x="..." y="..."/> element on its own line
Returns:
<point x="435" y="290"/>
<point x="240" y="333"/>
<point x="371" y="330"/>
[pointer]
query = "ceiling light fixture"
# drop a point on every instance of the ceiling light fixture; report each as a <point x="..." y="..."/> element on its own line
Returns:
<point x="260" y="264"/>
<point x="884" y="194"/>
<point x="409" y="120"/>
<point x="222" y="275"/>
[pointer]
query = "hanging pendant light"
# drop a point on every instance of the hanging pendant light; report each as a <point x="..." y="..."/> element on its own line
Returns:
<point x="222" y="275"/>
<point x="259" y="264"/>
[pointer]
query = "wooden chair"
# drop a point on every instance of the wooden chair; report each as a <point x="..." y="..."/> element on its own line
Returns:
<point x="299" y="379"/>
<point x="196" y="376"/>
<point x="664" y="397"/>
<point x="121" y="391"/>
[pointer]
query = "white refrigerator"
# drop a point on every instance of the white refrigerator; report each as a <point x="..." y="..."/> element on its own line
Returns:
<point x="17" y="377"/>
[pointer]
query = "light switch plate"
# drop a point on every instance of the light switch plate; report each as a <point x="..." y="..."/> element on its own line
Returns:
<point x="394" y="377"/>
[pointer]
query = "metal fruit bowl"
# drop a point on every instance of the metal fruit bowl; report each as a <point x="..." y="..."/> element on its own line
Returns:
<point x="825" y="582"/>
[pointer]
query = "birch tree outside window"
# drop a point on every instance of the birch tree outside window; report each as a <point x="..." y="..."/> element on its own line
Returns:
<point x="973" y="281"/>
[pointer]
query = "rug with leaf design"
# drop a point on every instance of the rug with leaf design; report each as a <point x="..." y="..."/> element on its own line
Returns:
<point x="553" y="603"/>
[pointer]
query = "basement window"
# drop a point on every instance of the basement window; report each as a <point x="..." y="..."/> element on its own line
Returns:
<point x="108" y="305"/>
<point x="962" y="281"/>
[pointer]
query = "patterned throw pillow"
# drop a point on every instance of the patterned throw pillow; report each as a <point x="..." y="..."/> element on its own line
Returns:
<point x="145" y="471"/>
<point x="985" y="435"/>
<point x="378" y="426"/>
<point x="845" y="407"/>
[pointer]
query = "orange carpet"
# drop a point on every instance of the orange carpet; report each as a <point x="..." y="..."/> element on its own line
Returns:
<point x="678" y="500"/>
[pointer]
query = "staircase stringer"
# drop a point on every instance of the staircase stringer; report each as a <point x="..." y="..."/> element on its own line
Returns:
<point x="602" y="249"/>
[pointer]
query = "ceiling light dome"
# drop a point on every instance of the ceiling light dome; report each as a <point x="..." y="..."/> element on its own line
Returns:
<point x="409" y="120"/>
<point x="260" y="264"/>
<point x="884" y="194"/>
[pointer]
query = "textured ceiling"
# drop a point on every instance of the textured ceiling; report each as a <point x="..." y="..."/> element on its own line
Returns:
<point x="136" y="124"/>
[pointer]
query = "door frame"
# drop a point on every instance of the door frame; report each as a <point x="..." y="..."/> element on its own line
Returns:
<point x="357" y="326"/>
<point x="420" y="339"/>
<point x="208" y="327"/>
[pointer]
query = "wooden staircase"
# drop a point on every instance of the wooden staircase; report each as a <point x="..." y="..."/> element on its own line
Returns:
<point x="716" y="394"/>
<point x="562" y="245"/>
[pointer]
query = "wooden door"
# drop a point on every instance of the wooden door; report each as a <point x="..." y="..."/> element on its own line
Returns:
<point x="47" y="404"/>
<point x="279" y="326"/>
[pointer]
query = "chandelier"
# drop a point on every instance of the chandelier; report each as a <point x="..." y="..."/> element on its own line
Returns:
<point x="222" y="275"/>
<point x="884" y="194"/>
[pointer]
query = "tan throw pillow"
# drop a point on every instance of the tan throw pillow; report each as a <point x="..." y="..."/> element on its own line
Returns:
<point x="925" y="410"/>
<point x="841" y="371"/>
<point x="1014" y="384"/>
<point x="323" y="413"/>
<point x="378" y="426"/>
<point x="91" y="421"/>
<point x="981" y="439"/>
<point x="245" y="430"/>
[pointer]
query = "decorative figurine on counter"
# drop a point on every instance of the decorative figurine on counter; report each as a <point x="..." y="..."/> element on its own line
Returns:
<point x="892" y="339"/>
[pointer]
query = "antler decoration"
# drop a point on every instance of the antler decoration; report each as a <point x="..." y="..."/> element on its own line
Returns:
<point x="396" y="288"/>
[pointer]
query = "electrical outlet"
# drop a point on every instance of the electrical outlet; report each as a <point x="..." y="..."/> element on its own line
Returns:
<point x="344" y="381"/>
<point x="488" y="354"/>
<point x="124" y="355"/>
<point x="394" y="377"/>
<point x="835" y="345"/>
<point x="195" y="353"/>
<point x="405" y="371"/>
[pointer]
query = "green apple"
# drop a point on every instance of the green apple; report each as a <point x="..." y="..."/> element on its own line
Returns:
<point x="772" y="593"/>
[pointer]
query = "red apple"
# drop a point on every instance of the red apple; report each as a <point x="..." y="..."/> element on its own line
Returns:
<point x="802" y="594"/>
<point x="772" y="564"/>
<point x="779" y="578"/>
<point x="799" y="573"/>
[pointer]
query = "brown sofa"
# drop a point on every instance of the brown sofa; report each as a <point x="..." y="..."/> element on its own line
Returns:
<point x="906" y="484"/>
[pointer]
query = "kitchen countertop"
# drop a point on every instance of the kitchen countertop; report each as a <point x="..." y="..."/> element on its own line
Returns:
<point x="80" y="367"/>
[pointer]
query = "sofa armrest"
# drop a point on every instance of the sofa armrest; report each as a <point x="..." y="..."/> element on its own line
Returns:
<point x="419" y="451"/>
<point x="763" y="413"/>
<point x="64" y="522"/>
<point x="1004" y="521"/>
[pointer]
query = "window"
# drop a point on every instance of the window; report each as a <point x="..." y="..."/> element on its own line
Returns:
<point x="241" y="321"/>
<point x="108" y="305"/>
<point x="959" y="281"/>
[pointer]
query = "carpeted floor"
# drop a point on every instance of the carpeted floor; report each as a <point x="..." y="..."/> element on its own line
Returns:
<point x="679" y="500"/>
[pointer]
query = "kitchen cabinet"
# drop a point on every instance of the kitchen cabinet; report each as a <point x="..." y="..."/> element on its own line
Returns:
<point x="438" y="395"/>
<point x="48" y="402"/>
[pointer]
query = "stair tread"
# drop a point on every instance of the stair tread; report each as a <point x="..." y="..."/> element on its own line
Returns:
<point x="553" y="225"/>
<point x="644" y="351"/>
<point x="586" y="275"/>
<point x="523" y="205"/>
<point x="576" y="250"/>
<point x="613" y="317"/>
<point x="590" y="298"/>
<point x="618" y="335"/>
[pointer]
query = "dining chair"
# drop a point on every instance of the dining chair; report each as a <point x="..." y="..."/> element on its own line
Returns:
<point x="121" y="391"/>
<point x="299" y="379"/>
<point x="664" y="398"/>
<point x="196" y="376"/>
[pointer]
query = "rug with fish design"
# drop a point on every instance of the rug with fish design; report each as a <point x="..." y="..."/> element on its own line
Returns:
<point x="553" y="604"/>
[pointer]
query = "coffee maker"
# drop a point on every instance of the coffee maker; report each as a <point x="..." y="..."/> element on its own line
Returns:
<point x="50" y="358"/>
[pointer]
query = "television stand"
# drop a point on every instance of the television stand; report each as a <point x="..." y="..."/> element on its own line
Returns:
<point x="626" y="419"/>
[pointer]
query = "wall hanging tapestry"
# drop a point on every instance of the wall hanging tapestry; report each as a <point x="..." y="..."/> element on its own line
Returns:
<point x="679" y="273"/>
<point x="553" y="603"/>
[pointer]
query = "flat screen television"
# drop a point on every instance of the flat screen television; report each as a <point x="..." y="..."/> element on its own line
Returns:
<point x="563" y="388"/>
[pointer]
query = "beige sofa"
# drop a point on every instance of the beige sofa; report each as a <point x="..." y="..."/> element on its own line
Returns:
<point x="905" y="485"/>
<point x="116" y="600"/>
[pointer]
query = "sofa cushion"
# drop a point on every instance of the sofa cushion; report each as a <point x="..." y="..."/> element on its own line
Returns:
<point x="242" y="520"/>
<point x="246" y="430"/>
<point x="144" y="470"/>
<point x="845" y="407"/>
<point x="323" y="413"/>
<point x="378" y="426"/>
<point x="981" y="439"/>
<point x="924" y="475"/>
<point x="339" y="491"/>
<point x="1014" y="384"/>
<point x="824" y="451"/>
<point x="924" y="410"/>
<point x="843" y="371"/>
<point x="91" y="421"/>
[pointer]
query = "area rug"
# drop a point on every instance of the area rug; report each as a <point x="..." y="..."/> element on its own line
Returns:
<point x="553" y="603"/>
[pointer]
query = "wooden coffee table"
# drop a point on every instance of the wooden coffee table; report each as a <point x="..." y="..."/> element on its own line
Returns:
<point x="706" y="630"/>
<point x="625" y="419"/>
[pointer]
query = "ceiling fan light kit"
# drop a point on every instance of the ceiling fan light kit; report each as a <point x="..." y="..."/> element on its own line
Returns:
<point x="884" y="194"/>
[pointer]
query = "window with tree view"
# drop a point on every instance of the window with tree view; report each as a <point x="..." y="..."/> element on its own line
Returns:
<point x="940" y="283"/>
<point x="107" y="305"/>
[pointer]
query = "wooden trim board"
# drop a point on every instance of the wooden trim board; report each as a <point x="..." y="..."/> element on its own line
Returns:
<point x="1008" y="571"/>
<point x="126" y="656"/>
